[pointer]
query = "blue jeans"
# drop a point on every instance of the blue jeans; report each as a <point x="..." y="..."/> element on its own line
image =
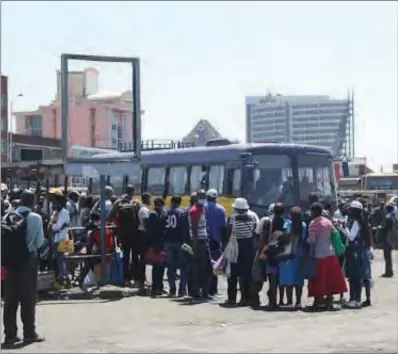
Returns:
<point x="61" y="264"/>
<point x="174" y="262"/>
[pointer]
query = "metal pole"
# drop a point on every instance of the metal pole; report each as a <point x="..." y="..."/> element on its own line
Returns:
<point x="136" y="126"/>
<point x="103" y="230"/>
<point x="64" y="106"/>
<point x="9" y="147"/>
<point x="353" y="123"/>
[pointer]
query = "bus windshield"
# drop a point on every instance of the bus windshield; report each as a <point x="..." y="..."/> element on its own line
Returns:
<point x="381" y="182"/>
<point x="273" y="181"/>
<point x="316" y="175"/>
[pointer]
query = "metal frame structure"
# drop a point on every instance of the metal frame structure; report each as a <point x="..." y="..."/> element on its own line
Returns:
<point x="102" y="166"/>
<point x="136" y="101"/>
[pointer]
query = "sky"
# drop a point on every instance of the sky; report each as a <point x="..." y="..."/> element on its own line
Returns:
<point x="200" y="59"/>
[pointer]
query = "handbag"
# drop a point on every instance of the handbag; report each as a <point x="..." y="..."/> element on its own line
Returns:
<point x="220" y="265"/>
<point x="338" y="245"/>
<point x="66" y="246"/>
<point x="259" y="270"/>
<point x="309" y="264"/>
<point x="153" y="257"/>
<point x="289" y="250"/>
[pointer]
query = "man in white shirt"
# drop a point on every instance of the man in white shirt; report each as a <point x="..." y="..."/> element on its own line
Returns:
<point x="142" y="248"/>
<point x="60" y="223"/>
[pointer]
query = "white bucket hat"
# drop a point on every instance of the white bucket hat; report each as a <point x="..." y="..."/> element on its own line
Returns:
<point x="271" y="208"/>
<point x="240" y="203"/>
<point x="212" y="193"/>
<point x="4" y="187"/>
<point x="356" y="205"/>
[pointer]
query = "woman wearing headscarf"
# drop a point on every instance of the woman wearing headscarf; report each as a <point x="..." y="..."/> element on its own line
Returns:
<point x="242" y="225"/>
<point x="329" y="278"/>
<point x="290" y="272"/>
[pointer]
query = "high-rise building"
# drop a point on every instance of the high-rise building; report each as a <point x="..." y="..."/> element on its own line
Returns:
<point x="4" y="118"/>
<point x="307" y="119"/>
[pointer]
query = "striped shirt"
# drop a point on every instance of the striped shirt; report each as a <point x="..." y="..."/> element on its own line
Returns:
<point x="197" y="215"/>
<point x="243" y="225"/>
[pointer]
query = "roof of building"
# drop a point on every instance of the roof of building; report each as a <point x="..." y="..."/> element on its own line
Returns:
<point x="202" y="128"/>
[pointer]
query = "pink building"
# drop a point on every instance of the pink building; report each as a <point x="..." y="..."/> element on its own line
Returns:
<point x="95" y="120"/>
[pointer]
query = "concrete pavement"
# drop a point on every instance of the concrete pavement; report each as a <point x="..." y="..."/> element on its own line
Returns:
<point x="140" y="324"/>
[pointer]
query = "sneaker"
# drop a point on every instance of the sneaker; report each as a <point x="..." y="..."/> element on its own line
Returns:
<point x="10" y="341"/>
<point x="35" y="338"/>
<point x="182" y="294"/>
<point x="353" y="304"/>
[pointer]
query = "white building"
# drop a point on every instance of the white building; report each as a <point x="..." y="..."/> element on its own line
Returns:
<point x="313" y="120"/>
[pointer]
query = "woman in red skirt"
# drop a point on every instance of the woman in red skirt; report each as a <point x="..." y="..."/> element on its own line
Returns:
<point x="329" y="279"/>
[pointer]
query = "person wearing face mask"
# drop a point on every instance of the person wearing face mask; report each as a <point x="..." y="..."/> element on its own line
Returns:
<point x="59" y="225"/>
<point x="200" y="267"/>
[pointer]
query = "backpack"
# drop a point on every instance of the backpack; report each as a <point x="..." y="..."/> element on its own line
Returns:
<point x="128" y="218"/>
<point x="14" y="248"/>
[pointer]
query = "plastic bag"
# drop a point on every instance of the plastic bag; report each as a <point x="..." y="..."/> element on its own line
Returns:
<point x="220" y="265"/>
<point x="227" y="271"/>
<point x="231" y="251"/>
<point x="90" y="279"/>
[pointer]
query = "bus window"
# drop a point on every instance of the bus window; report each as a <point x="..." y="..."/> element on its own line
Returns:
<point x="116" y="183"/>
<point x="95" y="186"/>
<point x="136" y="182"/>
<point x="198" y="178"/>
<point x="155" y="180"/>
<point x="236" y="182"/>
<point x="272" y="180"/>
<point x="178" y="178"/>
<point x="316" y="175"/>
<point x="216" y="178"/>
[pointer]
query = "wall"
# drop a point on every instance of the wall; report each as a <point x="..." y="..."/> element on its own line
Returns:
<point x="80" y="123"/>
<point x="4" y="117"/>
<point x="80" y="83"/>
<point x="50" y="148"/>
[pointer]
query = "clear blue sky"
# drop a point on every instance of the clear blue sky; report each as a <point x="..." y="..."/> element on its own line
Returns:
<point x="199" y="60"/>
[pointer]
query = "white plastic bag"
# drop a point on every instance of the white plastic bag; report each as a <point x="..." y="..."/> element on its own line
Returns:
<point x="227" y="272"/>
<point x="231" y="251"/>
<point x="90" y="279"/>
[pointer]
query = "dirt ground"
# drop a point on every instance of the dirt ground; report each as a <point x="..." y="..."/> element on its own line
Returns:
<point x="140" y="324"/>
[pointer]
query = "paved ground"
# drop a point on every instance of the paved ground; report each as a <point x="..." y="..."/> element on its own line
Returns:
<point x="139" y="324"/>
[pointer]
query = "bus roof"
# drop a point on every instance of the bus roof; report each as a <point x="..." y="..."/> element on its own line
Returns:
<point x="213" y="154"/>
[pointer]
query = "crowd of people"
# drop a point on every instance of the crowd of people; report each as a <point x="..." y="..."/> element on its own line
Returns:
<point x="194" y="245"/>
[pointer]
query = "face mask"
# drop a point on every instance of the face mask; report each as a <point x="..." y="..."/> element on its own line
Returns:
<point x="202" y="202"/>
<point x="55" y="207"/>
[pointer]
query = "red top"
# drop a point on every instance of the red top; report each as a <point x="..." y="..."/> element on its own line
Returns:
<point x="109" y="240"/>
<point x="194" y="213"/>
